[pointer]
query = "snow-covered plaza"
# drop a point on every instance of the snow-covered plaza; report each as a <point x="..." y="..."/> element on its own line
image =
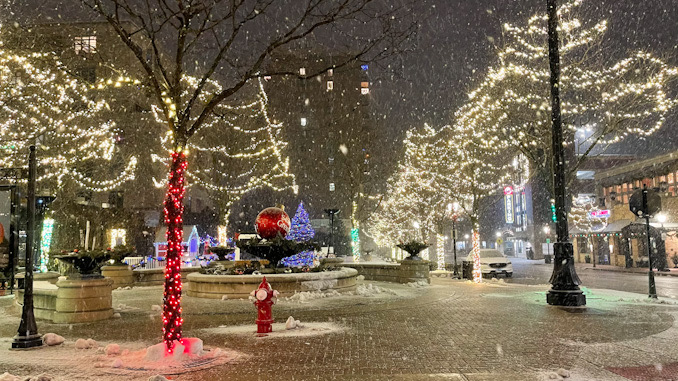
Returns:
<point x="449" y="330"/>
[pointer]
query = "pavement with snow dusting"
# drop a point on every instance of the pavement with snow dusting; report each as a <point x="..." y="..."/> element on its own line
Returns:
<point x="451" y="330"/>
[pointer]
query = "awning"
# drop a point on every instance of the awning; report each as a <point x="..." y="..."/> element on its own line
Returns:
<point x="614" y="227"/>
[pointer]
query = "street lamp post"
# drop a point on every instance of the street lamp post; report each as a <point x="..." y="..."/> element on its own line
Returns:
<point x="27" y="335"/>
<point x="331" y="213"/>
<point x="453" y="208"/>
<point x="564" y="280"/>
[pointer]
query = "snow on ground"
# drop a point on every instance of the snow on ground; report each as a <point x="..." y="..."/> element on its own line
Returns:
<point x="305" y="329"/>
<point x="127" y="361"/>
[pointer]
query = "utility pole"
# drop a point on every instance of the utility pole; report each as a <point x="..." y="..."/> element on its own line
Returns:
<point x="564" y="280"/>
<point x="27" y="335"/>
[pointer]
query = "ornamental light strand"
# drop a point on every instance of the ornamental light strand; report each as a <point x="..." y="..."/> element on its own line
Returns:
<point x="43" y="104"/>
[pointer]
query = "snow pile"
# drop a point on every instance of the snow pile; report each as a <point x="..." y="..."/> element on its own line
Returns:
<point x="41" y="377"/>
<point x="51" y="339"/>
<point x="85" y="344"/>
<point x="317" y="285"/>
<point x="279" y="330"/>
<point x="224" y="297"/>
<point x="360" y="278"/>
<point x="559" y="375"/>
<point x="418" y="284"/>
<point x="372" y="290"/>
<point x="124" y="308"/>
<point x="156" y="307"/>
<point x="112" y="349"/>
<point x="183" y="350"/>
<point x="308" y="296"/>
<point x="292" y="324"/>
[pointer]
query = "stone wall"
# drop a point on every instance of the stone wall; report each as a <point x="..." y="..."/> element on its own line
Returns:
<point x="156" y="277"/>
<point x="405" y="272"/>
<point x="239" y="286"/>
<point x="71" y="300"/>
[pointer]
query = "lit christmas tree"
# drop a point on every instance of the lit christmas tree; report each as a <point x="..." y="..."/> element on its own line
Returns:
<point x="301" y="229"/>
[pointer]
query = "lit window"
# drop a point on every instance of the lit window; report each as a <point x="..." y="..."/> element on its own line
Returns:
<point x="330" y="72"/>
<point x="302" y="71"/>
<point x="364" y="84"/>
<point x="87" y="44"/>
<point x="267" y="77"/>
<point x="331" y="187"/>
<point x="303" y="121"/>
<point x="364" y="91"/>
<point x="330" y="85"/>
<point x="331" y="160"/>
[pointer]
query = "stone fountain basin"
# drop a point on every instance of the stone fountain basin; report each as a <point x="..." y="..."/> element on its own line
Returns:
<point x="239" y="286"/>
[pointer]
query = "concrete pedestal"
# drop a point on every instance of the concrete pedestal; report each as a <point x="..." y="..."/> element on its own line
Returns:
<point x="83" y="300"/>
<point x="121" y="275"/>
<point x="414" y="271"/>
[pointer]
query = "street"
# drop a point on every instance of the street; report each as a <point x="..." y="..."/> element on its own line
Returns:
<point x="536" y="272"/>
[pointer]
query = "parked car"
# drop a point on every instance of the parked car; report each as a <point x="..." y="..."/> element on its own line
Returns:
<point x="493" y="263"/>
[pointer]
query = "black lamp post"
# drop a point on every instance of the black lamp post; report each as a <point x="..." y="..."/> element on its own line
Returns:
<point x="331" y="213"/>
<point x="27" y="335"/>
<point x="564" y="280"/>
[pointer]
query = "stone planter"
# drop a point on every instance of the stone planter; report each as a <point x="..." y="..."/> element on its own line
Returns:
<point x="329" y="263"/>
<point x="121" y="275"/>
<point x="83" y="300"/>
<point x="240" y="286"/>
<point x="414" y="271"/>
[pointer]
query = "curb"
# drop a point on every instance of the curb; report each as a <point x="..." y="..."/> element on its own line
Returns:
<point x="659" y="273"/>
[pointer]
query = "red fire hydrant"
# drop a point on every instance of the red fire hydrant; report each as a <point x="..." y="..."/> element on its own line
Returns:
<point x="265" y="298"/>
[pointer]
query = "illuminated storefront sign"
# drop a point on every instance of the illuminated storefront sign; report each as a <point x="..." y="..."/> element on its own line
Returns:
<point x="508" y="205"/>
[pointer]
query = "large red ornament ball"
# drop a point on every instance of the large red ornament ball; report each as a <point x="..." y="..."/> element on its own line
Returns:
<point x="271" y="222"/>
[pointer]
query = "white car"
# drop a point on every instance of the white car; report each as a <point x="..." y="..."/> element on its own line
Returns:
<point x="493" y="263"/>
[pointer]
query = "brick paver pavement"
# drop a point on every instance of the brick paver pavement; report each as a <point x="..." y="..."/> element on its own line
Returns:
<point x="451" y="330"/>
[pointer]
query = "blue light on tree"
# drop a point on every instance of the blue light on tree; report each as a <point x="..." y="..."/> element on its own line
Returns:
<point x="301" y="229"/>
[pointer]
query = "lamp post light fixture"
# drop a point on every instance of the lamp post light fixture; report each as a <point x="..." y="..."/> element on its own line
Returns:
<point x="564" y="281"/>
<point x="331" y="213"/>
<point x="27" y="334"/>
<point x="661" y="218"/>
<point x="453" y="208"/>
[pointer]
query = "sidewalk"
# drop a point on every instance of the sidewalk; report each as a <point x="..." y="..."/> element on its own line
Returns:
<point x="637" y="270"/>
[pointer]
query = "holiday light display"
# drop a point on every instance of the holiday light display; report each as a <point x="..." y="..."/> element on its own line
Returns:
<point x="586" y="216"/>
<point x="475" y="251"/>
<point x="414" y="192"/>
<point x="174" y="211"/>
<point x="45" y="242"/>
<point x="440" y="251"/>
<point x="43" y="104"/>
<point x="355" y="244"/>
<point x="301" y="229"/>
<point x="118" y="237"/>
<point x="627" y="97"/>
<point x="252" y="156"/>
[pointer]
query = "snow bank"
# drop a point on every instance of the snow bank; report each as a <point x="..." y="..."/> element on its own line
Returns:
<point x="51" y="339"/>
<point x="317" y="285"/>
<point x="279" y="330"/>
<point x="372" y="290"/>
<point x="292" y="324"/>
<point x="418" y="284"/>
<point x="308" y="296"/>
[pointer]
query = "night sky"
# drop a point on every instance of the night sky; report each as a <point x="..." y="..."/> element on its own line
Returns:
<point x="456" y="42"/>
